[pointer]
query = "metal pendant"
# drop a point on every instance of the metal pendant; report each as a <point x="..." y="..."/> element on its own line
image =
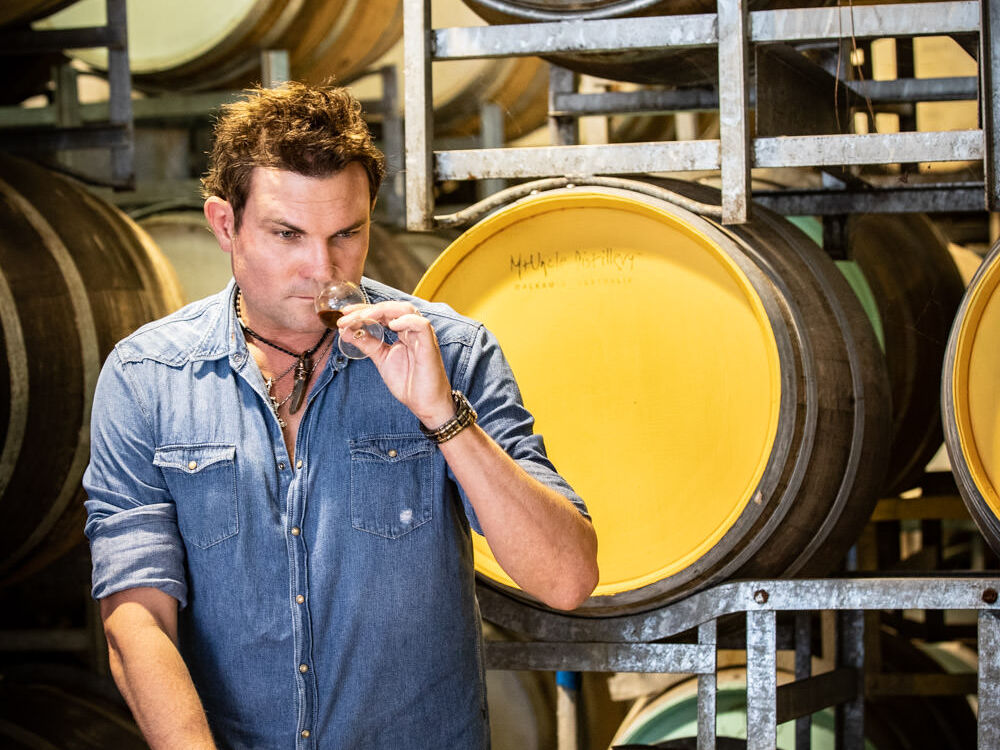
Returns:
<point x="303" y="368"/>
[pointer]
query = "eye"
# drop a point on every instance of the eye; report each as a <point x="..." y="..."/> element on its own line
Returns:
<point x="286" y="234"/>
<point x="348" y="233"/>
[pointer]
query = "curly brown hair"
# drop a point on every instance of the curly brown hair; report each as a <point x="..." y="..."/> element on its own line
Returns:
<point x="314" y="131"/>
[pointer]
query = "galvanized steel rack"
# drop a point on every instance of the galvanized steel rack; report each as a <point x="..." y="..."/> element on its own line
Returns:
<point x="733" y="29"/>
<point x="633" y="644"/>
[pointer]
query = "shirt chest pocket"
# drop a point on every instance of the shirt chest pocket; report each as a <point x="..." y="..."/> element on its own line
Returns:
<point x="392" y="484"/>
<point x="202" y="481"/>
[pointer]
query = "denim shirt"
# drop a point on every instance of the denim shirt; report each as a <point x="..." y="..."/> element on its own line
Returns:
<point x="325" y="603"/>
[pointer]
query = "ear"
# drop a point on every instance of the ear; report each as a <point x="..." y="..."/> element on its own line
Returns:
<point x="221" y="219"/>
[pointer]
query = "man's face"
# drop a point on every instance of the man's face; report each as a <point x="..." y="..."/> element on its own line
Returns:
<point x="296" y="232"/>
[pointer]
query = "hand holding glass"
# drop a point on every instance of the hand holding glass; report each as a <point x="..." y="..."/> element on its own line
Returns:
<point x="330" y="303"/>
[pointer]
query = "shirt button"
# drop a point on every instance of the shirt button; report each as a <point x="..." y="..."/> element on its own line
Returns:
<point x="392" y="453"/>
<point x="300" y="599"/>
<point x="281" y="466"/>
<point x="296" y="531"/>
<point x="192" y="465"/>
<point x="303" y="668"/>
<point x="305" y="732"/>
<point x="298" y="464"/>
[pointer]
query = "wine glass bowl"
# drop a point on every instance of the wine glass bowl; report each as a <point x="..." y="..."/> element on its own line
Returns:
<point x="330" y="303"/>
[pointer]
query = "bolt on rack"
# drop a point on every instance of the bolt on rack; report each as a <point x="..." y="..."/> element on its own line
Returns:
<point x="733" y="29"/>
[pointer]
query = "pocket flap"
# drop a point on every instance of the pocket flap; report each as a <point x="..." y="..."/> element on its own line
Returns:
<point x="390" y="448"/>
<point x="192" y="458"/>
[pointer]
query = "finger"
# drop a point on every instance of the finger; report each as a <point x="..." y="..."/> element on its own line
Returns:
<point x="410" y="322"/>
<point x="384" y="312"/>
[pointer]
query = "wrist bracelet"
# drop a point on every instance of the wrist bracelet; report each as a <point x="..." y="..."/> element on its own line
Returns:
<point x="465" y="416"/>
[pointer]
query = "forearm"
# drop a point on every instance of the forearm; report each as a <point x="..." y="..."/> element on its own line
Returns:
<point x="538" y="536"/>
<point x="155" y="682"/>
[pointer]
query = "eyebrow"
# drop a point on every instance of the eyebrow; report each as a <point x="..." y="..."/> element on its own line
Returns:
<point x="288" y="225"/>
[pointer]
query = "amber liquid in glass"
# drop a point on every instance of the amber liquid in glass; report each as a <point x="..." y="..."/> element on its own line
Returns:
<point x="330" y="317"/>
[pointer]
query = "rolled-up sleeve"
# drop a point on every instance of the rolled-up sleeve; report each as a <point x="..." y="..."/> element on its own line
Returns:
<point x="488" y="382"/>
<point x="131" y="518"/>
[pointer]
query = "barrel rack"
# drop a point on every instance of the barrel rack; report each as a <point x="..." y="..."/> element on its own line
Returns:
<point x="733" y="30"/>
<point x="635" y="644"/>
<point x="70" y="132"/>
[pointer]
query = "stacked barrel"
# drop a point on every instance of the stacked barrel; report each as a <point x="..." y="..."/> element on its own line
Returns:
<point x="729" y="402"/>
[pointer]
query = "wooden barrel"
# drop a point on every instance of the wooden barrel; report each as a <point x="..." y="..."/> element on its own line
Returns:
<point x="44" y="707"/>
<point x="917" y="289"/>
<point x="970" y="398"/>
<point x="191" y="45"/>
<point x="22" y="11"/>
<point x="716" y="395"/>
<point x="76" y="275"/>
<point x="894" y="723"/>
<point x="187" y="242"/>
<point x="912" y="288"/>
<point x="668" y="66"/>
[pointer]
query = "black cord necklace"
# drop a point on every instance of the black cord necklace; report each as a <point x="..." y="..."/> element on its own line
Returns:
<point x="303" y="365"/>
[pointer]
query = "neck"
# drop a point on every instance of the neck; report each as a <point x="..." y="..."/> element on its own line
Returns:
<point x="305" y="344"/>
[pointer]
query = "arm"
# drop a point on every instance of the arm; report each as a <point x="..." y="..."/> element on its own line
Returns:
<point x="141" y="628"/>
<point x="138" y="566"/>
<point x="539" y="538"/>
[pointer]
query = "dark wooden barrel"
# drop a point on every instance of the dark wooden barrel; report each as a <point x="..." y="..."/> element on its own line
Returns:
<point x="187" y="242"/>
<point x="911" y="289"/>
<point x="193" y="46"/>
<point x="716" y="394"/>
<point x="917" y="289"/>
<point x="970" y="398"/>
<point x="76" y="275"/>
<point x="400" y="258"/>
<point x="44" y="707"/>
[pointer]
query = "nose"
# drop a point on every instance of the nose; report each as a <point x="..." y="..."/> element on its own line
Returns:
<point x="317" y="265"/>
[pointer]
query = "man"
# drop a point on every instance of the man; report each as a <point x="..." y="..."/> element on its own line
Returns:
<point x="280" y="535"/>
